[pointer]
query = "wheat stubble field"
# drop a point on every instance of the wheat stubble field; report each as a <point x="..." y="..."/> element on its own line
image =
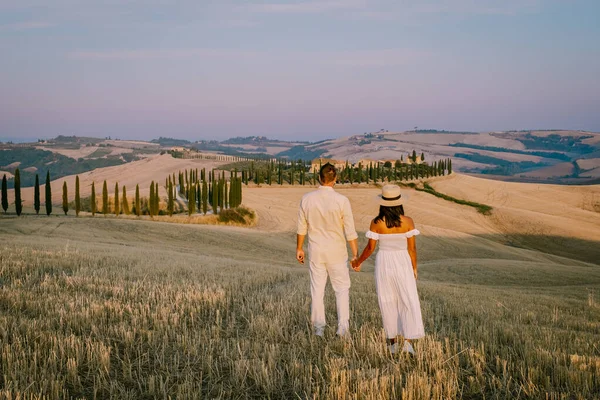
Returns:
<point x="115" y="308"/>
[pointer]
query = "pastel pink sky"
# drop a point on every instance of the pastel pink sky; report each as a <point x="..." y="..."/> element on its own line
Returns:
<point x="295" y="69"/>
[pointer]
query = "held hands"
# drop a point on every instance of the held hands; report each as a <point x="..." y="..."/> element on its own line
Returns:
<point x="355" y="264"/>
<point x="300" y="256"/>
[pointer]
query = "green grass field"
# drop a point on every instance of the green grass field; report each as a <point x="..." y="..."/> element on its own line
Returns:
<point x="110" y="308"/>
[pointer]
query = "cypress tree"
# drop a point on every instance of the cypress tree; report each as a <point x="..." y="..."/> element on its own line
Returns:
<point x="156" y="199"/>
<point x="117" y="204"/>
<point x="93" y="200"/>
<point x="191" y="200"/>
<point x="170" y="201"/>
<point x="48" y="195"/>
<point x="215" y="197"/>
<point x="65" y="198"/>
<point x="422" y="157"/>
<point x="138" y="208"/>
<point x="4" y="194"/>
<point x="449" y="166"/>
<point x="77" y="197"/>
<point x="151" y="200"/>
<point x="204" y="197"/>
<point x="104" y="199"/>
<point x="414" y="156"/>
<point x="198" y="196"/>
<point x="36" y="195"/>
<point x="18" y="201"/>
<point x="126" y="210"/>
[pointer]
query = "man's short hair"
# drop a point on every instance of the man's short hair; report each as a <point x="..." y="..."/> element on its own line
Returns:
<point x="327" y="174"/>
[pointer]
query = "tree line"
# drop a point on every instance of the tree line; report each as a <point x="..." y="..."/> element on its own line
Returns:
<point x="213" y="191"/>
<point x="302" y="172"/>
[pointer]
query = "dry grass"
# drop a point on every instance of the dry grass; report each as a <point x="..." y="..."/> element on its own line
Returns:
<point x="113" y="308"/>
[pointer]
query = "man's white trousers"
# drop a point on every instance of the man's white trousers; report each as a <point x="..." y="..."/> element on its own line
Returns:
<point x="340" y="281"/>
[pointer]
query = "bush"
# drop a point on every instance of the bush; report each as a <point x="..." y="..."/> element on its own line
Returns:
<point x="238" y="215"/>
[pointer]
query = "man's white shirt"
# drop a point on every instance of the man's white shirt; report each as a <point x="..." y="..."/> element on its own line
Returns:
<point x="326" y="216"/>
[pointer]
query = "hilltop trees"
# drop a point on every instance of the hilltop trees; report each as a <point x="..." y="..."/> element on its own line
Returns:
<point x="4" y="194"/>
<point x="93" y="200"/>
<point x="77" y="198"/>
<point x="65" y="198"/>
<point x="48" y="195"/>
<point x="18" y="201"/>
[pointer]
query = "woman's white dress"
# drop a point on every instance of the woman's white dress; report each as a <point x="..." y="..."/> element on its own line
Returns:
<point x="396" y="286"/>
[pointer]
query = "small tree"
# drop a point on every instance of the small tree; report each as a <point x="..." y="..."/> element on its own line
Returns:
<point x="414" y="156"/>
<point x="449" y="166"/>
<point x="93" y="200"/>
<point x="422" y="157"/>
<point x="36" y="195"/>
<point x="170" y="201"/>
<point x="104" y="199"/>
<point x="156" y="199"/>
<point x="18" y="201"/>
<point x="151" y="200"/>
<point x="77" y="198"/>
<point x="138" y="211"/>
<point x="117" y="204"/>
<point x="191" y="199"/>
<point x="48" y="195"/>
<point x="126" y="210"/>
<point x="204" y="197"/>
<point x="4" y="194"/>
<point x="65" y="198"/>
<point x="215" y="197"/>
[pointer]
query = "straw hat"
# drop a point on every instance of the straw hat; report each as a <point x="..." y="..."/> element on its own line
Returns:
<point x="391" y="196"/>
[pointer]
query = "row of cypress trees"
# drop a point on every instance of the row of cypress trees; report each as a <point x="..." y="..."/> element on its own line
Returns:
<point x="298" y="172"/>
<point x="19" y="200"/>
<point x="202" y="189"/>
<point x="214" y="191"/>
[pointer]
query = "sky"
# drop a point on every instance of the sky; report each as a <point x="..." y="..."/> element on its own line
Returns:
<point x="295" y="70"/>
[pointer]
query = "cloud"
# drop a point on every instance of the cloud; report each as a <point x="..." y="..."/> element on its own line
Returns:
<point x="152" y="54"/>
<point x="305" y="7"/>
<point x="26" y="25"/>
<point x="477" y="7"/>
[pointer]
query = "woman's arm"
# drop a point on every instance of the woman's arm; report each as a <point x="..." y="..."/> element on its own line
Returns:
<point x="412" y="249"/>
<point x="369" y="249"/>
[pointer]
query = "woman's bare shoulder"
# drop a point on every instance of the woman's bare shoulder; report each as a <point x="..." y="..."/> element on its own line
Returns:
<point x="409" y="221"/>
<point x="376" y="226"/>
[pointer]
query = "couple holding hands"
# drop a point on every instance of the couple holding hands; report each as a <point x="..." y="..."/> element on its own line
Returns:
<point x="326" y="217"/>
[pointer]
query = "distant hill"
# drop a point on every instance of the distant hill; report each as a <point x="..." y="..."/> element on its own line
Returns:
<point x="163" y="141"/>
<point x="548" y="156"/>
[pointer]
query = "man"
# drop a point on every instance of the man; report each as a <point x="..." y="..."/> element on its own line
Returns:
<point x="326" y="216"/>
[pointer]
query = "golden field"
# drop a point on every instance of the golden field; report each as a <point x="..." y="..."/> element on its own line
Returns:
<point x="119" y="308"/>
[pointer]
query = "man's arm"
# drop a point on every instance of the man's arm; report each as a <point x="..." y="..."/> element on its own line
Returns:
<point x="301" y="231"/>
<point x="299" y="249"/>
<point x="349" y="230"/>
<point x="354" y="248"/>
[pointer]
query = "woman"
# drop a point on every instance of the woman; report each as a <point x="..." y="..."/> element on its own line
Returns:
<point x="395" y="269"/>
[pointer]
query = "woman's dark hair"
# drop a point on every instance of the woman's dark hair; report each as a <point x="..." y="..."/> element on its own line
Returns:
<point x="391" y="216"/>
